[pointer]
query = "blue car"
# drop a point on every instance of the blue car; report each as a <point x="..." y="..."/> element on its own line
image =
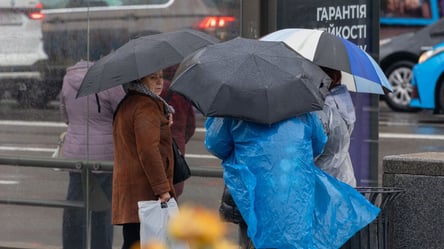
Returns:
<point x="428" y="80"/>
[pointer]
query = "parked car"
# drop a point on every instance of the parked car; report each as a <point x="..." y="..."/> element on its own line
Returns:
<point x="22" y="57"/>
<point x="399" y="54"/>
<point x="428" y="80"/>
<point x="89" y="29"/>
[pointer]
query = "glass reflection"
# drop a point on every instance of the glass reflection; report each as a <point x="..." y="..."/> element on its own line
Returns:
<point x="59" y="34"/>
<point x="406" y="8"/>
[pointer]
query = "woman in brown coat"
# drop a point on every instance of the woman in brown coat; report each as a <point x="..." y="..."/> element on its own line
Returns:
<point x="143" y="158"/>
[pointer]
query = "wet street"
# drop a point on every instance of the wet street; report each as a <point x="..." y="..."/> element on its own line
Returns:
<point x="405" y="133"/>
<point x="399" y="133"/>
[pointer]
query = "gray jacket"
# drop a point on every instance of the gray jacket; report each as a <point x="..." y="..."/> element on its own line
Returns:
<point x="338" y="118"/>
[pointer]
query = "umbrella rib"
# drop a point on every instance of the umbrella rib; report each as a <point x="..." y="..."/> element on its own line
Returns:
<point x="275" y="67"/>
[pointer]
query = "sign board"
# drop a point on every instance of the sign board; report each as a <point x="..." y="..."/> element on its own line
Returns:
<point x="357" y="21"/>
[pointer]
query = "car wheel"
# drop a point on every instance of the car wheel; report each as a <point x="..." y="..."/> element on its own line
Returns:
<point x="32" y="94"/>
<point x="400" y="75"/>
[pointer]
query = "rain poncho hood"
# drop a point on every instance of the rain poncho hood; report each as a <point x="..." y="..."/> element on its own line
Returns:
<point x="339" y="96"/>
<point x="286" y="201"/>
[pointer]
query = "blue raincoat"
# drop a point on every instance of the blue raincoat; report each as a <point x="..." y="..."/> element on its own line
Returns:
<point x="286" y="201"/>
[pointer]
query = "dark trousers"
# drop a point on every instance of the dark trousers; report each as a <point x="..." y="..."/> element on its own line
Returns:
<point x="244" y="241"/>
<point x="131" y="235"/>
<point x="229" y="212"/>
<point x="74" y="218"/>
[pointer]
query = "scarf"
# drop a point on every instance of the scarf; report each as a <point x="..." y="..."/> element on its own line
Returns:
<point x="141" y="88"/>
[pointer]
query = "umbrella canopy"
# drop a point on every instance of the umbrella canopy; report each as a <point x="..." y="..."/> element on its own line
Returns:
<point x="142" y="56"/>
<point x="360" y="72"/>
<point x="258" y="81"/>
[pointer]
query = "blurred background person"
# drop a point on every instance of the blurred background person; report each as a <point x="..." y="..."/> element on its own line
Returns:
<point x="88" y="137"/>
<point x="184" y="119"/>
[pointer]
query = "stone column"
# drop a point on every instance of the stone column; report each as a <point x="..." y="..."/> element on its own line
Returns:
<point x="416" y="217"/>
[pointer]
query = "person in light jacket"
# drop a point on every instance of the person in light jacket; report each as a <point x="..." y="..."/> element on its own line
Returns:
<point x="88" y="137"/>
<point x="338" y="117"/>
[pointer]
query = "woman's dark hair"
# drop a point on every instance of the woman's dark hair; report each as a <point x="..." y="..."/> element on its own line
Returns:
<point x="335" y="76"/>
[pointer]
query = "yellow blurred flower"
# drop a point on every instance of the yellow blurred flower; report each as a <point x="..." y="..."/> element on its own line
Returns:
<point x="136" y="245"/>
<point x="154" y="245"/>
<point x="197" y="225"/>
<point x="224" y="244"/>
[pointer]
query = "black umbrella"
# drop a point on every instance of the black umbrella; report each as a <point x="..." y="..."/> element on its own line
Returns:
<point x="259" y="81"/>
<point x="142" y="56"/>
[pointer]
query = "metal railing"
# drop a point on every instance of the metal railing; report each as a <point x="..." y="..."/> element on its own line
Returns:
<point x="86" y="167"/>
<point x="373" y="236"/>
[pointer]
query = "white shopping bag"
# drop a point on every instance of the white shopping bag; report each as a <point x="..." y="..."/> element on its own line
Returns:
<point x="154" y="217"/>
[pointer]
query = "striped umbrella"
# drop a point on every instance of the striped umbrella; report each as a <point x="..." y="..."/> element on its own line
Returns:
<point x="360" y="72"/>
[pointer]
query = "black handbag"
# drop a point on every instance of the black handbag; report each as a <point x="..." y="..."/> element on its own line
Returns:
<point x="181" y="169"/>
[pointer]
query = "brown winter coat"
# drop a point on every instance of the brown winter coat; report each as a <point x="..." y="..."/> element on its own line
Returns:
<point x="143" y="158"/>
